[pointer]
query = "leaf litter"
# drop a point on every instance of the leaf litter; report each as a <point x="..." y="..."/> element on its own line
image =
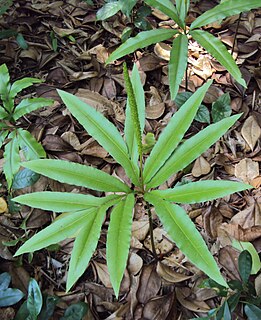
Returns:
<point x="78" y="65"/>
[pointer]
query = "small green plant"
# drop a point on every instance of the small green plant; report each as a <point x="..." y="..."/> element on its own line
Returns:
<point x="8" y="296"/>
<point x="179" y="51"/>
<point x="238" y="292"/>
<point x="110" y="8"/>
<point x="84" y="214"/>
<point x="17" y="138"/>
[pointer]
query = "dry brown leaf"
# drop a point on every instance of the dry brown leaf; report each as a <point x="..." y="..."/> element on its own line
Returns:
<point x="170" y="275"/>
<point x="256" y="182"/>
<point x="212" y="94"/>
<point x="161" y="240"/>
<point x="150" y="284"/>
<point x="201" y="167"/>
<point x="162" y="50"/>
<point x="212" y="219"/>
<point x="7" y="313"/>
<point x="135" y="263"/>
<point x="183" y="296"/>
<point x="72" y="139"/>
<point x="3" y="205"/>
<point x="228" y="259"/>
<point x="251" y="131"/>
<point x="247" y="170"/>
<point x="158" y="308"/>
<point x="140" y="229"/>
<point x="242" y="234"/>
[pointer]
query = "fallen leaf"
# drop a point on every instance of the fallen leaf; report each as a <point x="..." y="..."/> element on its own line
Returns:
<point x="3" y="205"/>
<point x="162" y="242"/>
<point x="158" y="308"/>
<point x="170" y="275"/>
<point x="242" y="234"/>
<point x="140" y="229"/>
<point x="251" y="131"/>
<point x="187" y="301"/>
<point x="247" y="170"/>
<point x="201" y="167"/>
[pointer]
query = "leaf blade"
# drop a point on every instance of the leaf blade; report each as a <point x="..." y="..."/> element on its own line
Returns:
<point x="21" y="84"/>
<point x="143" y="39"/>
<point x="219" y="51"/>
<point x="29" y="105"/>
<point x="168" y="8"/>
<point x="191" y="149"/>
<point x="177" y="63"/>
<point x="31" y="148"/>
<point x="178" y="125"/>
<point x="102" y="130"/>
<point x="77" y="174"/>
<point x="118" y="240"/>
<point x="226" y="9"/>
<point x="183" y="231"/>
<point x="201" y="191"/>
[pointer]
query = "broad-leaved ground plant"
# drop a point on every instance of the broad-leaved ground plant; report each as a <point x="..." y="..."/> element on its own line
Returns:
<point x="17" y="138"/>
<point x="84" y="214"/>
<point x="180" y="35"/>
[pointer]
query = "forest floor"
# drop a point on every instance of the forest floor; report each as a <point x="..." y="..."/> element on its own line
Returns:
<point x="77" y="65"/>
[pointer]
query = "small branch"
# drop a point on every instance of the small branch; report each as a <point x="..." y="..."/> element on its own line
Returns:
<point x="237" y="27"/>
<point x="151" y="234"/>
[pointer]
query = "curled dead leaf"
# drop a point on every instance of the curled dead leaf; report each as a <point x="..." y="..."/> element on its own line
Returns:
<point x="247" y="170"/>
<point x="251" y="131"/>
<point x="162" y="50"/>
<point x="170" y="275"/>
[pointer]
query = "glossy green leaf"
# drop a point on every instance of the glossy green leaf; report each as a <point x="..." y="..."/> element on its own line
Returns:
<point x="118" y="240"/>
<point x="226" y="9"/>
<point x="134" y="112"/>
<point x="10" y="296"/>
<point x="24" y="178"/>
<point x="173" y="133"/>
<point x="142" y="40"/>
<point x="5" y="280"/>
<point x="167" y="7"/>
<point x="127" y="6"/>
<point x="102" y="130"/>
<point x="178" y="63"/>
<point x="75" y="311"/>
<point x="245" y="265"/>
<point x="108" y="10"/>
<point x="203" y="114"/>
<point x="3" y="135"/>
<point x="21" y="84"/>
<point x="12" y="158"/>
<point x="59" y="230"/>
<point x="3" y="113"/>
<point x="60" y="201"/>
<point x="48" y="308"/>
<point x="77" y="174"/>
<point x="219" y="51"/>
<point x="29" y="105"/>
<point x="31" y="148"/>
<point x="256" y="263"/>
<point x="4" y="81"/>
<point x="226" y="313"/>
<point x="184" y="233"/>
<point x="129" y="129"/>
<point x="252" y="312"/>
<point x="182" y="8"/>
<point x="221" y="108"/>
<point x="205" y="190"/>
<point x="85" y="244"/>
<point x="34" y="301"/>
<point x="192" y="149"/>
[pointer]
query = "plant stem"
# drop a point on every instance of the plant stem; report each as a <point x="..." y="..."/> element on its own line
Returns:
<point x="186" y="78"/>
<point x="234" y="42"/>
<point x="151" y="234"/>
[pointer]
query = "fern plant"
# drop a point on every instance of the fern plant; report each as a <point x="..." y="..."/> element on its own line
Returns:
<point x="85" y="213"/>
<point x="179" y="51"/>
<point x="17" y="138"/>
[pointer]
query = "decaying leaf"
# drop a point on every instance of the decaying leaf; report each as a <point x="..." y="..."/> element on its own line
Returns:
<point x="201" y="167"/>
<point x="3" y="205"/>
<point x="170" y="275"/>
<point x="251" y="131"/>
<point x="247" y="170"/>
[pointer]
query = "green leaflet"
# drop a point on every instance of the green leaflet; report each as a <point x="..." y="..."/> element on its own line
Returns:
<point x="4" y="81"/>
<point x="173" y="133"/>
<point x="186" y="236"/>
<point x="21" y="84"/>
<point x="3" y="113"/>
<point x="219" y="51"/>
<point x="34" y="301"/>
<point x="143" y="39"/>
<point x="168" y="8"/>
<point x="223" y="10"/>
<point x="182" y="8"/>
<point x="61" y="201"/>
<point x="118" y="240"/>
<point x="85" y="244"/>
<point x="3" y="135"/>
<point x="59" y="230"/>
<point x="77" y="174"/>
<point x="191" y="149"/>
<point x="31" y="148"/>
<point x="12" y="158"/>
<point x="200" y="191"/>
<point x="178" y="63"/>
<point x="128" y="127"/>
<point x="28" y="105"/>
<point x="133" y="109"/>
<point x="102" y="130"/>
